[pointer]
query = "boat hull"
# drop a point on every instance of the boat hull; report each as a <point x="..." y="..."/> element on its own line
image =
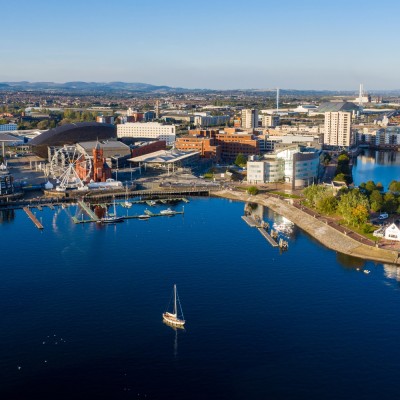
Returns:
<point x="173" y="320"/>
<point x="111" y="220"/>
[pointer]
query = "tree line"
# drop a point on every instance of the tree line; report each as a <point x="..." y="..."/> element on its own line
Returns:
<point x="354" y="205"/>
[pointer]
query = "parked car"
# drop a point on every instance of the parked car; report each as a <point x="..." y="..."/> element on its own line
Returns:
<point x="384" y="216"/>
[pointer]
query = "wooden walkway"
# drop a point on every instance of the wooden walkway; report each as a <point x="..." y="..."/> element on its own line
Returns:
<point x="261" y="228"/>
<point x="250" y="221"/>
<point x="267" y="236"/>
<point x="88" y="211"/>
<point x="33" y="218"/>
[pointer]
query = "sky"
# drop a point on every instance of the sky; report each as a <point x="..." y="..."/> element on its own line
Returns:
<point x="219" y="44"/>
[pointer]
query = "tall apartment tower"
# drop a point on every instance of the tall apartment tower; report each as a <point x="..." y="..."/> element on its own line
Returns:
<point x="157" y="109"/>
<point x="249" y="118"/>
<point x="338" y="129"/>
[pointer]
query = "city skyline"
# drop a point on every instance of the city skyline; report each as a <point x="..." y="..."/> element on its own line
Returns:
<point x="216" y="45"/>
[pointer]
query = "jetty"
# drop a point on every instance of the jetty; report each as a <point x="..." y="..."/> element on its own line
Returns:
<point x="250" y="221"/>
<point x="267" y="236"/>
<point x="262" y="228"/>
<point x="88" y="211"/>
<point x="33" y="218"/>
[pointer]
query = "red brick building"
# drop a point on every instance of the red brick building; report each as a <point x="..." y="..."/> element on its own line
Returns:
<point x="215" y="144"/>
<point x="206" y="146"/>
<point x="143" y="148"/>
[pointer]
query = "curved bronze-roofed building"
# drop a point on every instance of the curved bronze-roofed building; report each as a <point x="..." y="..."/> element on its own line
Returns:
<point x="71" y="134"/>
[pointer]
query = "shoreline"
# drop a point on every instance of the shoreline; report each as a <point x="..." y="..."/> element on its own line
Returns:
<point x="325" y="234"/>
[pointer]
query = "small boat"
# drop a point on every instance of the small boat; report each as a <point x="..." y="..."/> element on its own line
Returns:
<point x="366" y="271"/>
<point x="168" y="211"/>
<point x="111" y="219"/>
<point x="126" y="203"/>
<point x="172" y="318"/>
<point x="151" y="203"/>
<point x="144" y="216"/>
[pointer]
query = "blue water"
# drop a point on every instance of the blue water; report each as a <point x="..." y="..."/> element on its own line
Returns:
<point x="81" y="308"/>
<point x="378" y="166"/>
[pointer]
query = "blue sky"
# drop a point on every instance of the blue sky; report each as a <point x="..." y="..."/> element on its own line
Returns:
<point x="221" y="44"/>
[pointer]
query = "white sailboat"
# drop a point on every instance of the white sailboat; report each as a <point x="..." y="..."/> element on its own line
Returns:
<point x="172" y="318"/>
<point x="126" y="203"/>
<point x="111" y="219"/>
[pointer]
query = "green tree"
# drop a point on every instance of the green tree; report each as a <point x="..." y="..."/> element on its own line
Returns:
<point x="348" y="207"/>
<point x="376" y="200"/>
<point x="343" y="158"/>
<point x="389" y="202"/>
<point x="360" y="214"/>
<point x="321" y="198"/>
<point x="379" y="186"/>
<point x="252" y="190"/>
<point x="241" y="160"/>
<point x="43" y="124"/>
<point x="327" y="204"/>
<point x="370" y="186"/>
<point x="394" y="186"/>
<point x="340" y="177"/>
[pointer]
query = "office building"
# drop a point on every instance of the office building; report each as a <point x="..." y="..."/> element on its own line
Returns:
<point x="147" y="130"/>
<point x="293" y="164"/>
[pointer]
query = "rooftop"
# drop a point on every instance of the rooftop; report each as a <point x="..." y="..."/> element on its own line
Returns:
<point x="337" y="106"/>
<point x="164" y="156"/>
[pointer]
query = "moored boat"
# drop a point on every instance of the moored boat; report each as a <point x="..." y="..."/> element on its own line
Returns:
<point x="173" y="318"/>
<point x="168" y="211"/>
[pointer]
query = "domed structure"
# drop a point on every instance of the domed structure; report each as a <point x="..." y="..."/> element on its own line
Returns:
<point x="71" y="134"/>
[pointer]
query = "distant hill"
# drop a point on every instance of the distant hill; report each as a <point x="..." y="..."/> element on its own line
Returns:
<point x="89" y="86"/>
<point x="138" y="87"/>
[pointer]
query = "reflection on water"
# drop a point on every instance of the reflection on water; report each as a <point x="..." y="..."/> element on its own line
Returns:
<point x="392" y="271"/>
<point x="378" y="166"/>
<point x="6" y="216"/>
<point x="176" y="329"/>
<point x="349" y="262"/>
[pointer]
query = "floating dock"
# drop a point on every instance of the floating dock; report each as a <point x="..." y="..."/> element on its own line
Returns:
<point x="267" y="236"/>
<point x="33" y="218"/>
<point x="147" y="212"/>
<point x="250" y="221"/>
<point x="262" y="228"/>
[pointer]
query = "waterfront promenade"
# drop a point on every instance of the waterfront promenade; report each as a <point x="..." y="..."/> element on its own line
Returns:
<point x="324" y="230"/>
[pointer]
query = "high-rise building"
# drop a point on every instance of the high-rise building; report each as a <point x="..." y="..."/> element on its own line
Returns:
<point x="249" y="118"/>
<point x="337" y="130"/>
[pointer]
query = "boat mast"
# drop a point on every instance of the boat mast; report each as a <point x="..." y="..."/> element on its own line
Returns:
<point x="175" y="310"/>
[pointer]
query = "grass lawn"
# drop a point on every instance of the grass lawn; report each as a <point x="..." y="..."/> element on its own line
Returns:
<point x="287" y="195"/>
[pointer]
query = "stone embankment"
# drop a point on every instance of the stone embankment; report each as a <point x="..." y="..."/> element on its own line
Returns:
<point x="318" y="228"/>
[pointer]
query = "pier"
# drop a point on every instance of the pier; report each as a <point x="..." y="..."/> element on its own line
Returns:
<point x="267" y="236"/>
<point x="262" y="228"/>
<point x="33" y="218"/>
<point x="250" y="221"/>
<point x="88" y="211"/>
